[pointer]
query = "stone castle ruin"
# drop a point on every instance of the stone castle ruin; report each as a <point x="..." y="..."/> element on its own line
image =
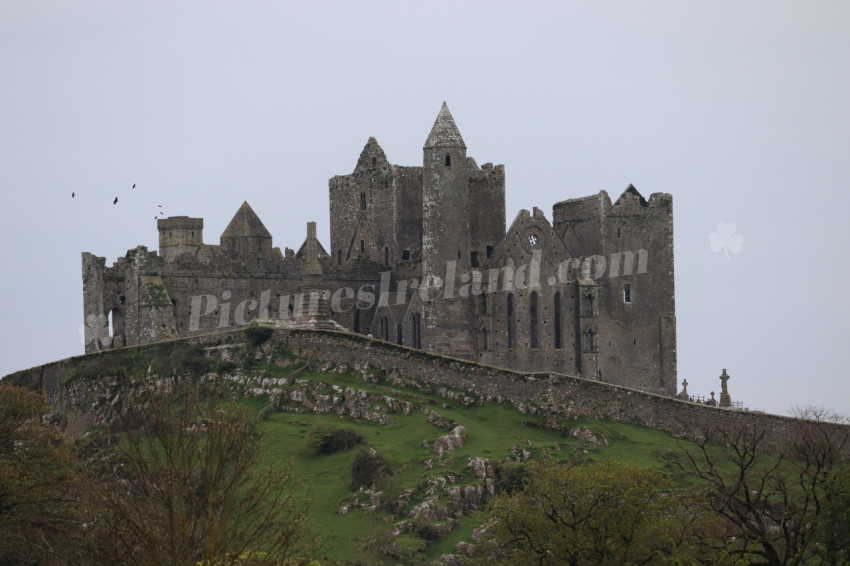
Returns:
<point x="421" y="256"/>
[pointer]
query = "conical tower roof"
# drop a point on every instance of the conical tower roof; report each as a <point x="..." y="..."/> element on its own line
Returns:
<point x="445" y="132"/>
<point x="245" y="223"/>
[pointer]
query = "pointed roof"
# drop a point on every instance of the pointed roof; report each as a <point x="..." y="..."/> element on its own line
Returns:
<point x="632" y="192"/>
<point x="311" y="250"/>
<point x="445" y="132"/>
<point x="372" y="156"/>
<point x="245" y="223"/>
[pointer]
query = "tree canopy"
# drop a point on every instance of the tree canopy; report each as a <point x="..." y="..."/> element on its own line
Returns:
<point x="598" y="513"/>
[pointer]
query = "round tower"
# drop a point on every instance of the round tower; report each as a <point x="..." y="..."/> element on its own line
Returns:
<point x="445" y="240"/>
<point x="445" y="198"/>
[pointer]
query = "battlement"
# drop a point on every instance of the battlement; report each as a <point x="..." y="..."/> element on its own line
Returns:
<point x="179" y="235"/>
<point x="180" y="223"/>
<point x="632" y="202"/>
<point x="486" y="170"/>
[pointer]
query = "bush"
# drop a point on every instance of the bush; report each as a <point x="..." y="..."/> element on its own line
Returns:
<point x="600" y="513"/>
<point x="369" y="468"/>
<point x="512" y="477"/>
<point x="258" y="335"/>
<point x="329" y="441"/>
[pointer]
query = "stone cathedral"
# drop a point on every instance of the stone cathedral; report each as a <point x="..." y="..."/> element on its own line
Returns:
<point x="421" y="256"/>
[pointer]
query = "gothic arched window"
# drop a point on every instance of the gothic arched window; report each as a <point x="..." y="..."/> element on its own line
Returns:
<point x="557" y="315"/>
<point x="483" y="338"/>
<point x="511" y="328"/>
<point x="416" y="330"/>
<point x="532" y="321"/>
<point x="590" y="340"/>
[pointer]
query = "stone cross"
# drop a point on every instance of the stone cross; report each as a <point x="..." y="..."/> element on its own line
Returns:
<point x="725" y="398"/>
<point x="684" y="396"/>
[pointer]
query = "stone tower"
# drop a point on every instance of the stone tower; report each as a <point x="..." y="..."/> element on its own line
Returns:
<point x="630" y="245"/>
<point x="446" y="244"/>
<point x="246" y="235"/>
<point x="179" y="235"/>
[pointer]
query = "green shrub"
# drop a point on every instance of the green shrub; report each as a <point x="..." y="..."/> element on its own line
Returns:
<point x="331" y="440"/>
<point x="368" y="469"/>
<point x="258" y="335"/>
<point x="512" y="477"/>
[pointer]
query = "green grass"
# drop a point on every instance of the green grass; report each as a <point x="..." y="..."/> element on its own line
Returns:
<point x="494" y="431"/>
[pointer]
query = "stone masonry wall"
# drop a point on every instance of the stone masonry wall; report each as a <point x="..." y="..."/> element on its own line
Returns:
<point x="556" y="394"/>
<point x="553" y="395"/>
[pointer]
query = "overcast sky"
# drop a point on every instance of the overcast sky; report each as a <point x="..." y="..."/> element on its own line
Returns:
<point x="740" y="110"/>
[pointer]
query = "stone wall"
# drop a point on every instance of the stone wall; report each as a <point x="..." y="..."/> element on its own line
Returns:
<point x="553" y="396"/>
<point x="634" y="321"/>
<point x="558" y="395"/>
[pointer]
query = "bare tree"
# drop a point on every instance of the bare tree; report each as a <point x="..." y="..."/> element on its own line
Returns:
<point x="37" y="478"/>
<point x="181" y="484"/>
<point x="771" y="495"/>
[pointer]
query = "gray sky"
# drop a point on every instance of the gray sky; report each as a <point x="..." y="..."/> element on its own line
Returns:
<point x="739" y="109"/>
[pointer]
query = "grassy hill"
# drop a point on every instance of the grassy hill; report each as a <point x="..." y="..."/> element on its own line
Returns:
<point x="497" y="433"/>
<point x="448" y="450"/>
<point x="430" y="440"/>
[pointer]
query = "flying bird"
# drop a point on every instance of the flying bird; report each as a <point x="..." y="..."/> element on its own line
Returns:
<point x="115" y="201"/>
<point x="134" y="185"/>
<point x="159" y="205"/>
<point x="72" y="194"/>
<point x="162" y="213"/>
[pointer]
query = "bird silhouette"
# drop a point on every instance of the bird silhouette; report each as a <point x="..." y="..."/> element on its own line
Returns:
<point x="159" y="205"/>
<point x="115" y="201"/>
<point x="134" y="185"/>
<point x="72" y="194"/>
<point x="162" y="213"/>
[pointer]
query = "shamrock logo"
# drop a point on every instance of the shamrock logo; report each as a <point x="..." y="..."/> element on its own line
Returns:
<point x="726" y="239"/>
<point x="95" y="328"/>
